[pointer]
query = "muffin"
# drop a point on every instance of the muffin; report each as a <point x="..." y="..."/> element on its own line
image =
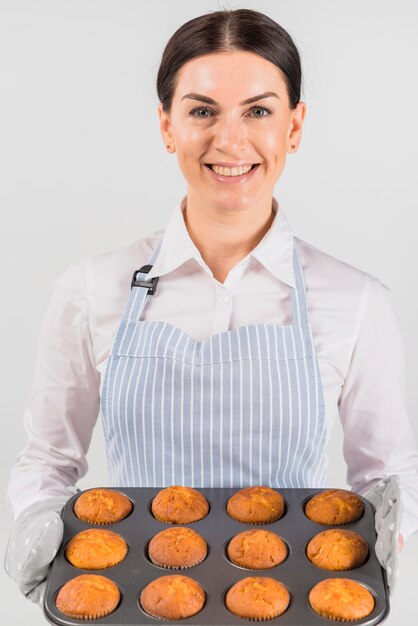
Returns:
<point x="96" y="549"/>
<point x="179" y="505"/>
<point x="88" y="596"/>
<point x="102" y="506"/>
<point x="172" y="597"/>
<point x="257" y="598"/>
<point x="337" y="549"/>
<point x="256" y="505"/>
<point x="341" y="599"/>
<point x="257" y="549"/>
<point x="334" y="507"/>
<point x="177" y="548"/>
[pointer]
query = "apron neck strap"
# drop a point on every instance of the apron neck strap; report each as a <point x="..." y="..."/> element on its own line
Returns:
<point x="298" y="293"/>
<point x="138" y="296"/>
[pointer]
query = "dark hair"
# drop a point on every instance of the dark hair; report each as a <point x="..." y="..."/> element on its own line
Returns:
<point x="225" y="31"/>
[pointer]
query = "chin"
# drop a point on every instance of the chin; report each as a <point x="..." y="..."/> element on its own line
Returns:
<point x="233" y="203"/>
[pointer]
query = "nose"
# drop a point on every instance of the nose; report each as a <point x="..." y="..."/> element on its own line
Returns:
<point x="230" y="135"/>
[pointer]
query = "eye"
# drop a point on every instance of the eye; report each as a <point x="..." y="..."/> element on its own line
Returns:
<point x="261" y="109"/>
<point x="196" y="109"/>
<point x="193" y="112"/>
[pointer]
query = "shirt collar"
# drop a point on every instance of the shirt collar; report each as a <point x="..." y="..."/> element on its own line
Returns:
<point x="274" y="251"/>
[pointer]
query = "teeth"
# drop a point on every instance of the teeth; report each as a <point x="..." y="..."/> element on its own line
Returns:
<point x="228" y="171"/>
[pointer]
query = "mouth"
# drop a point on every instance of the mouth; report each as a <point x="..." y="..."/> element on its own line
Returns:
<point x="231" y="175"/>
<point x="210" y="166"/>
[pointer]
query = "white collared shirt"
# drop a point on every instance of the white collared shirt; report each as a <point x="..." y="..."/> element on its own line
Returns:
<point x="355" y="329"/>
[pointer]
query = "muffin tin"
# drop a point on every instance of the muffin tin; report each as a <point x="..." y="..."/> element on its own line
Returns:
<point x="216" y="573"/>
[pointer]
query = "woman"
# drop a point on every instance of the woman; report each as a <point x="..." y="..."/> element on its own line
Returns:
<point x="219" y="350"/>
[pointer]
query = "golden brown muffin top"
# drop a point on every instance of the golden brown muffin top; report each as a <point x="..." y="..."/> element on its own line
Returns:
<point x="257" y="598"/>
<point x="337" y="549"/>
<point x="102" y="506"/>
<point x="177" y="547"/>
<point x="179" y="505"/>
<point x="96" y="549"/>
<point x="256" y="505"/>
<point x="172" y="597"/>
<point x="341" y="598"/>
<point x="257" y="549"/>
<point x="334" y="506"/>
<point x="88" y="596"/>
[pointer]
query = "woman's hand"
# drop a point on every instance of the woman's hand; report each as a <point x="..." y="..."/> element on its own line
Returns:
<point x="386" y="499"/>
<point x="34" y="540"/>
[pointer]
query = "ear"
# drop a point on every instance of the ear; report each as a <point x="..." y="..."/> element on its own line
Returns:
<point x="296" y="123"/>
<point x="165" y="125"/>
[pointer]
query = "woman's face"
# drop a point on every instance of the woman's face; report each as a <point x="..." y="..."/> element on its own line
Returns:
<point x="228" y="130"/>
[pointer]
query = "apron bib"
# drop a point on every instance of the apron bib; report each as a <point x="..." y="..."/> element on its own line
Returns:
<point x="243" y="407"/>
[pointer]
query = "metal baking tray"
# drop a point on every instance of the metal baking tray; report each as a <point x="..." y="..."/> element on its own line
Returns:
<point x="216" y="573"/>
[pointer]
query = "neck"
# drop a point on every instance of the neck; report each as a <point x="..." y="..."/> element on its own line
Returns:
<point x="224" y="238"/>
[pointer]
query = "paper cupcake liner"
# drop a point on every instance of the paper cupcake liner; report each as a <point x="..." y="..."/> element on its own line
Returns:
<point x="88" y="617"/>
<point x="167" y="618"/>
<point x="337" y="569"/>
<point x="255" y="569"/>
<point x="166" y="521"/>
<point x="95" y="568"/>
<point x="89" y="521"/>
<point x="333" y="524"/>
<point x="176" y="567"/>
<point x="260" y="619"/>
<point x="255" y="523"/>
<point x="339" y="619"/>
<point x="161" y="519"/>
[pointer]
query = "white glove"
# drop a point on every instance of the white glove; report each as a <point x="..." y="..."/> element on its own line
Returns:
<point x="386" y="498"/>
<point x="34" y="540"/>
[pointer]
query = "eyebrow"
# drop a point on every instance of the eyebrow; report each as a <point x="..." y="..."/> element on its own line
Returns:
<point x="196" y="96"/>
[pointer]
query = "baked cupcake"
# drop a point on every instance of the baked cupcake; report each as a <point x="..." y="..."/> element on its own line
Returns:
<point x="257" y="598"/>
<point x="257" y="549"/>
<point x="256" y="505"/>
<point x="179" y="505"/>
<point x="177" y="548"/>
<point x="341" y="599"/>
<point x="96" y="549"/>
<point x="334" y="507"/>
<point x="337" y="549"/>
<point x="88" y="596"/>
<point x="102" y="506"/>
<point x="172" y="597"/>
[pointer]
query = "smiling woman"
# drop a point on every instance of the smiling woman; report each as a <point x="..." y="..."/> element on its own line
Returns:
<point x="232" y="372"/>
<point x="232" y="152"/>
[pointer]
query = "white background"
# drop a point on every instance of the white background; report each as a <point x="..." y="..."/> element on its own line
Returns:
<point x="84" y="170"/>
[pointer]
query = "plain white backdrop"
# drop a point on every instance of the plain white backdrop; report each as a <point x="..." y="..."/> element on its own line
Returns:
<point x="84" y="170"/>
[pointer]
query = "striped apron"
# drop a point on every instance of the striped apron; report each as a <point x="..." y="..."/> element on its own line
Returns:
<point x="243" y="407"/>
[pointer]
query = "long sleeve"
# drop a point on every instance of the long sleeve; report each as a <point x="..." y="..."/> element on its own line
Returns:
<point x="378" y="438"/>
<point x="63" y="404"/>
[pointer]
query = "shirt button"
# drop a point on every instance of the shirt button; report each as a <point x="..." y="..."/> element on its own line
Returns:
<point x="224" y="298"/>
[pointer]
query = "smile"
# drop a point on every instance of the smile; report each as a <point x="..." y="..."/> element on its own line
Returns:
<point x="231" y="175"/>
